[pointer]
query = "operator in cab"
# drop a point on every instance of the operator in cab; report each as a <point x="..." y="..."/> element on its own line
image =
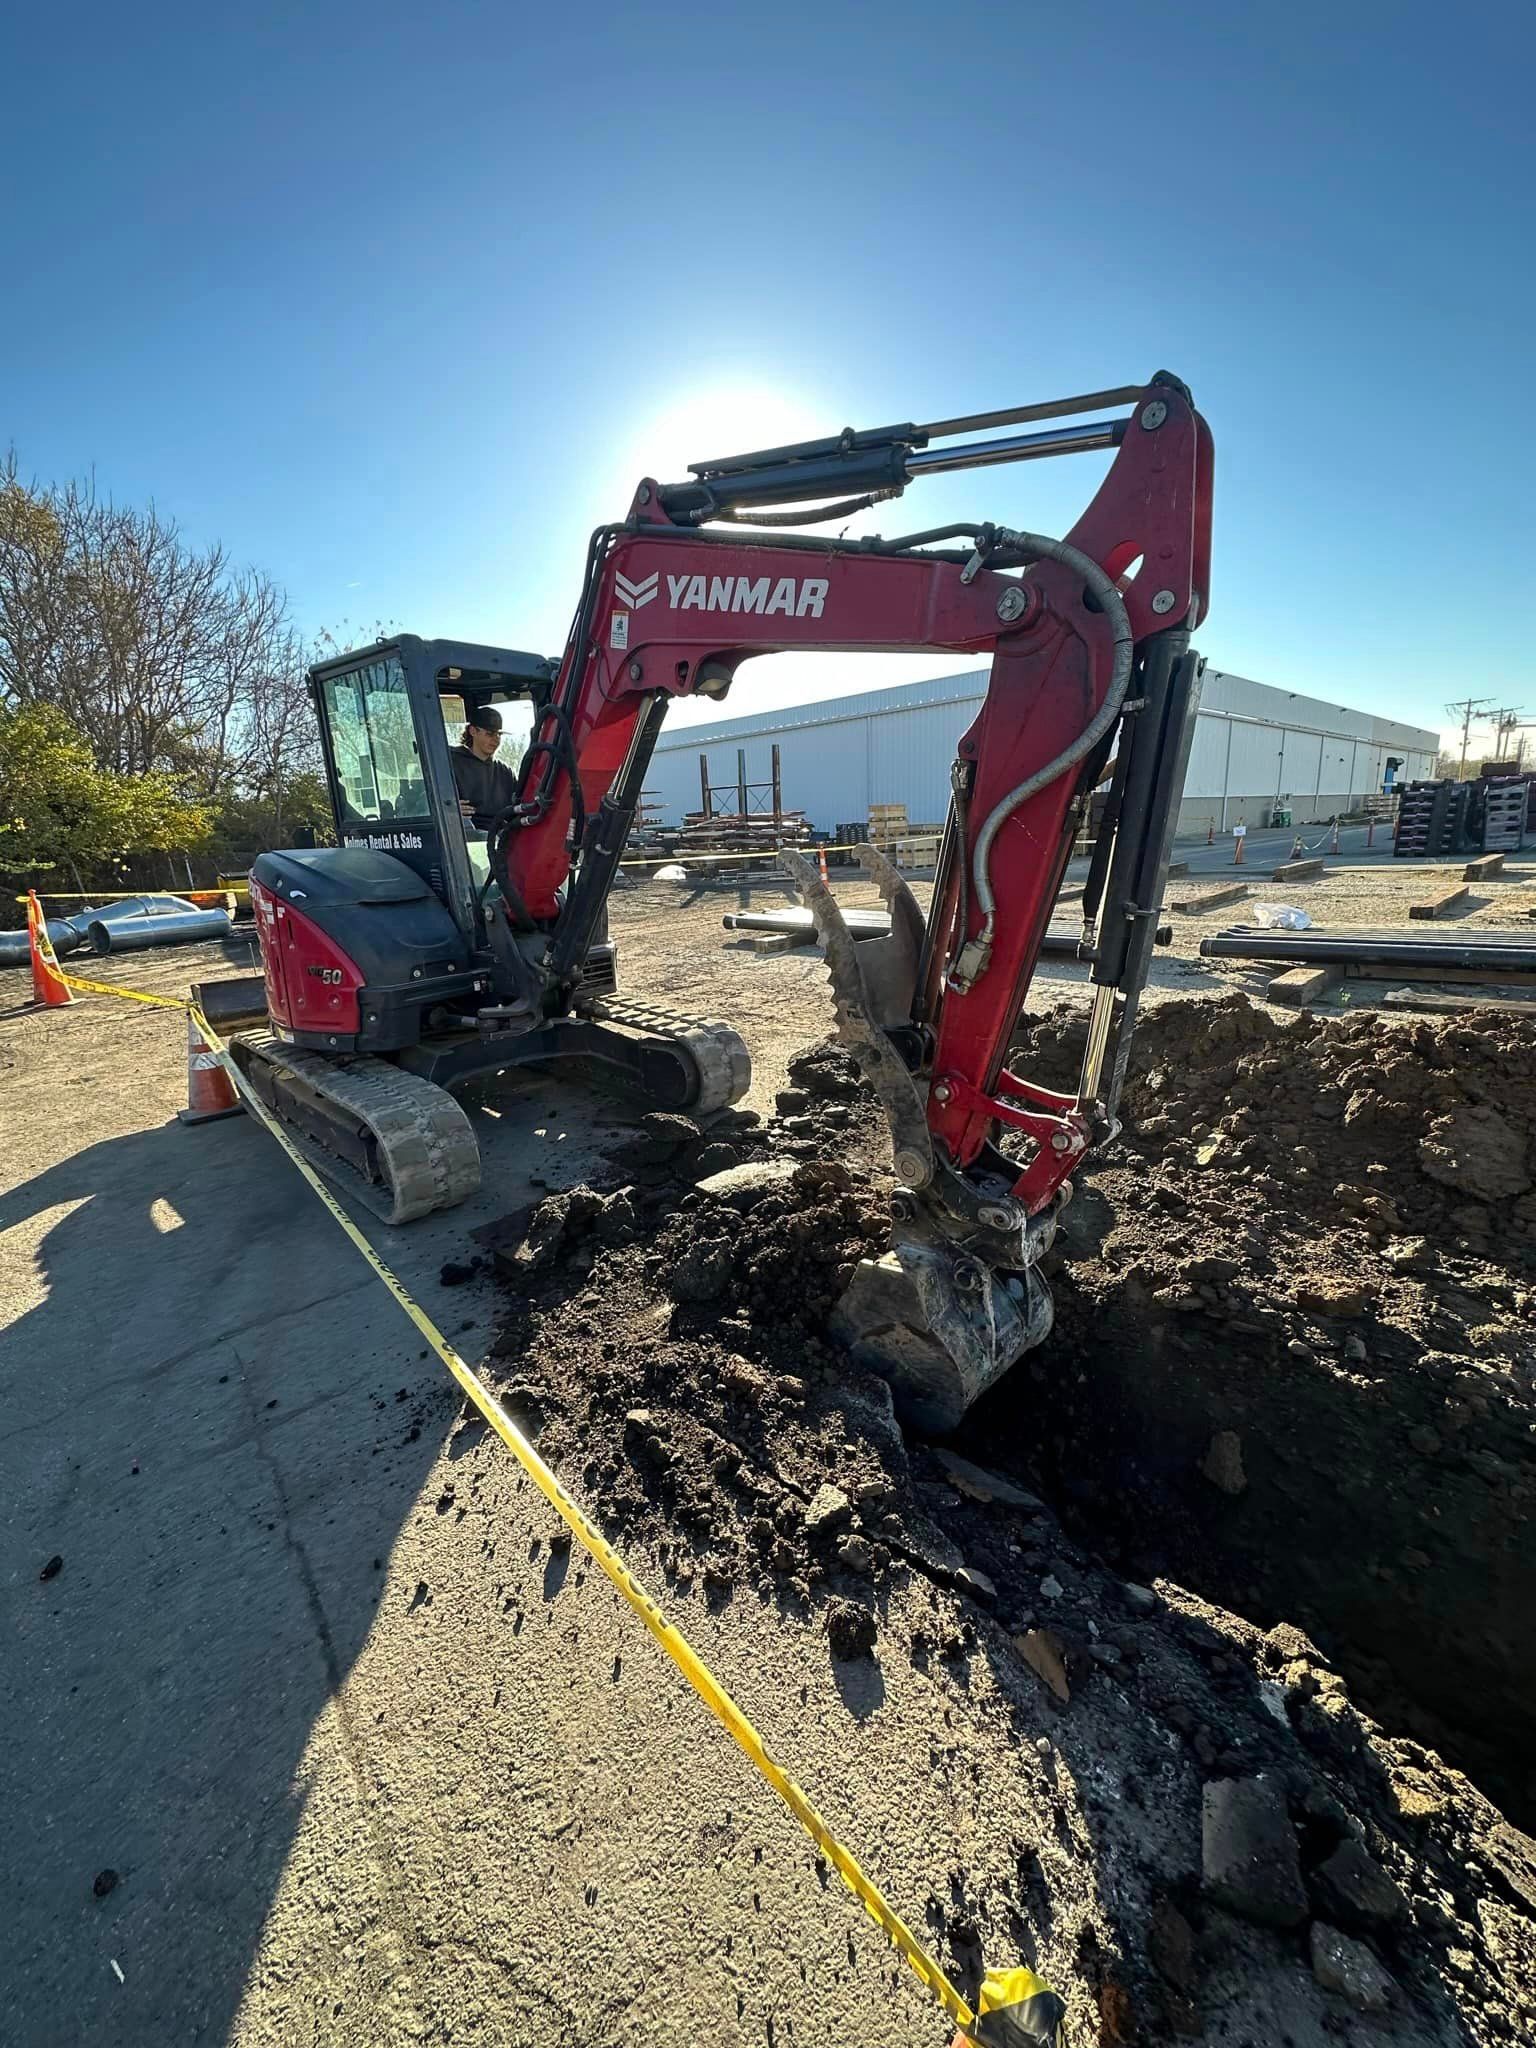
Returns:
<point x="486" y="786"/>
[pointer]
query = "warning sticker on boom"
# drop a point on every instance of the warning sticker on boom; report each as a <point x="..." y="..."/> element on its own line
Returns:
<point x="618" y="630"/>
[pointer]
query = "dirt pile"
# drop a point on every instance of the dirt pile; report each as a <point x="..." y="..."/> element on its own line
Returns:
<point x="663" y="1337"/>
<point x="1295" y="1361"/>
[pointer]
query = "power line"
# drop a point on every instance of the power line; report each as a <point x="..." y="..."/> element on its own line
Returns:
<point x="1466" y="708"/>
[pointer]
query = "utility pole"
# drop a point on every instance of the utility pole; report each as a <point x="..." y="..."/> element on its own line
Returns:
<point x="1506" y="720"/>
<point x="1466" y="708"/>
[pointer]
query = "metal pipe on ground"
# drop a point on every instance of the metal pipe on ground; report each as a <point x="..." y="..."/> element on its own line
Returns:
<point x="875" y="924"/>
<point x="1498" y="952"/>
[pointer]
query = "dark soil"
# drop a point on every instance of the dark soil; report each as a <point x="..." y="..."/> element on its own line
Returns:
<point x="1295" y="1362"/>
<point x="664" y="1340"/>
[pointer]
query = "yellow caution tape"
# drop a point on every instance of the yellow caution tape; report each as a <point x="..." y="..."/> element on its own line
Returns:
<point x="129" y="995"/>
<point x="923" y="1965"/>
<point x="132" y="895"/>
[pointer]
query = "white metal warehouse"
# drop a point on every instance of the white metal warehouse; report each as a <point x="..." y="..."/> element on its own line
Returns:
<point x="1254" y="746"/>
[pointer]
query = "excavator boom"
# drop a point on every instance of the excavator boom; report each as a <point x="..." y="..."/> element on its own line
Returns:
<point x="397" y="965"/>
<point x="1088" y="638"/>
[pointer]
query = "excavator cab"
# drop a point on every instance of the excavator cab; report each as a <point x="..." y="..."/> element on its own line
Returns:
<point x="389" y="717"/>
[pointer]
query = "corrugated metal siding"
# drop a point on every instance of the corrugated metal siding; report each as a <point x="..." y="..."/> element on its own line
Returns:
<point x="1252" y="742"/>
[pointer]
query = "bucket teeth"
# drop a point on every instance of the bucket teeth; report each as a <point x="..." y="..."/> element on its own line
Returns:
<point x="873" y="982"/>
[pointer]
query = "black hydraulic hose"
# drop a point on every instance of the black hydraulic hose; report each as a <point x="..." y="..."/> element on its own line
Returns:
<point x="815" y="515"/>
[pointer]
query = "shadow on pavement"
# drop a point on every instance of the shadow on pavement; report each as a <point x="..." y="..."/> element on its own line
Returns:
<point x="223" y="1455"/>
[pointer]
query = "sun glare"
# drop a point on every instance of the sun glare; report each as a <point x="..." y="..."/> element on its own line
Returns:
<point x="714" y="420"/>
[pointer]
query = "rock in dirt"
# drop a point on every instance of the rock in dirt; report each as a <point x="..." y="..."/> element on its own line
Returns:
<point x="1249" y="1858"/>
<point x="851" y="1629"/>
<point x="989" y="1487"/>
<point x="557" y="1219"/>
<point x="1477" y="1151"/>
<point x="702" y="1272"/>
<point x="715" y="1158"/>
<point x="830" y="1510"/>
<point x="1353" y="1889"/>
<point x="663" y="1134"/>
<point x="1349" y="1968"/>
<point x="745" y="1185"/>
<point x="51" y="1569"/>
<point x="827" y="1072"/>
<point x="1223" y="1462"/>
<point x="1042" y="1650"/>
<point x="105" y="1881"/>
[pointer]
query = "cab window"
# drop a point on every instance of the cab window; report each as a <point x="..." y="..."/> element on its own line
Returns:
<point x="378" y="768"/>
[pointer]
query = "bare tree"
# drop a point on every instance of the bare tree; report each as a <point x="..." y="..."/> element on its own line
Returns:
<point x="162" y="655"/>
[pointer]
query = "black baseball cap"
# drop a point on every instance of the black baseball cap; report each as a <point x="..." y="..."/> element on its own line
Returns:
<point x="488" y="718"/>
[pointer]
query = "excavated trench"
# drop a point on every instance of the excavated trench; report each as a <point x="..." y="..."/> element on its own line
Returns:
<point x="1250" y="1528"/>
<point x="1294" y="1366"/>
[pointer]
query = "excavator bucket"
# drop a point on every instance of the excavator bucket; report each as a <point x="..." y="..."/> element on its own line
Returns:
<point x="938" y="1322"/>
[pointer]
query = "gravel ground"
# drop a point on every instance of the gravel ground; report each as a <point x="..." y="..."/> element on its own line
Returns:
<point x="368" y="1758"/>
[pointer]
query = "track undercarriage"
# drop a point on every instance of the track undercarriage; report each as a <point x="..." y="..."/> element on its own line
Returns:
<point x="392" y="1135"/>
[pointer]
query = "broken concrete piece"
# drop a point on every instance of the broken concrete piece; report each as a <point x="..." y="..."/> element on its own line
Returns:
<point x="1353" y="1889"/>
<point x="1042" y="1652"/>
<point x="744" y="1185"/>
<point x="1249" y="1859"/>
<point x="830" y="1510"/>
<point x="982" y="1485"/>
<point x="1349" y="1968"/>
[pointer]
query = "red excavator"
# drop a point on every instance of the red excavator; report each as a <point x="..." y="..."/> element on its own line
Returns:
<point x="419" y="951"/>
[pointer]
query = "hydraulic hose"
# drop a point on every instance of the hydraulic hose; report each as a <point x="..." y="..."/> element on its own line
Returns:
<point x="1034" y="547"/>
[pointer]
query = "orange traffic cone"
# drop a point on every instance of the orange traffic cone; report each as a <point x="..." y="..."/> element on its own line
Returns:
<point x="1210" y="831"/>
<point x="1240" y="840"/>
<point x="48" y="984"/>
<point x="821" y="862"/>
<point x="210" y="1092"/>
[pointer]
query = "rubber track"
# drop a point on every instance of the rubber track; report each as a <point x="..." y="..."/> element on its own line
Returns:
<point x="426" y="1144"/>
<point x="717" y="1050"/>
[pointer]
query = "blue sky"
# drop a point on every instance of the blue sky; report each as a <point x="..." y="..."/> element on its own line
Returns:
<point x="398" y="301"/>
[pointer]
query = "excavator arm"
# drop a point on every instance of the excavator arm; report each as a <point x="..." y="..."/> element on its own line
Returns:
<point x="1091" y="673"/>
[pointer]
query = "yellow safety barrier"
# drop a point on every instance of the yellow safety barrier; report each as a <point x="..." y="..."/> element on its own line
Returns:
<point x="1020" y="1995"/>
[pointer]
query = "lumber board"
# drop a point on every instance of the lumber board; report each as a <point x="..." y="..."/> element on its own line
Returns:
<point x="1296" y="870"/>
<point x="1440" y="906"/>
<point x="1479" y="870"/>
<point x="1474" y="977"/>
<point x="1453" y="1005"/>
<point x="1233" y="892"/>
<point x="1301" y="985"/>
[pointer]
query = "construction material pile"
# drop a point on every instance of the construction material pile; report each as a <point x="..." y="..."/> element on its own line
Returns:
<point x="1205" y="1833"/>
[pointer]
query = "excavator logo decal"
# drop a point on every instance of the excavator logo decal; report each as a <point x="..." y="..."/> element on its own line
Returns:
<point x="635" y="594"/>
<point x="795" y="597"/>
